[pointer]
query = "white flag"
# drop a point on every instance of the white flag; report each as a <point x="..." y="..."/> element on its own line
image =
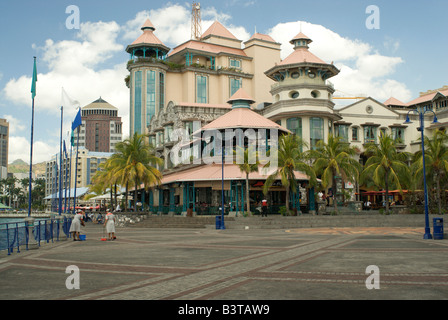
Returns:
<point x="67" y="101"/>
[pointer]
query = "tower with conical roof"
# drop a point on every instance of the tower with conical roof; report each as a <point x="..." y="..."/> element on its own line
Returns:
<point x="147" y="78"/>
<point x="302" y="95"/>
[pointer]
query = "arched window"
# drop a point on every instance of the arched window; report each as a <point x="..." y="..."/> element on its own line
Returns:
<point x="316" y="131"/>
<point x="295" y="126"/>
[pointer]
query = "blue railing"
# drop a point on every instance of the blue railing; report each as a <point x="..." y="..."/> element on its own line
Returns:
<point x="16" y="234"/>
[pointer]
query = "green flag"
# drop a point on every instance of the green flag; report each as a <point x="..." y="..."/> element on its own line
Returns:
<point x="33" y="84"/>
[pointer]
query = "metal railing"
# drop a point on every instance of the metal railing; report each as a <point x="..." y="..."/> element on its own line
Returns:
<point x="16" y="234"/>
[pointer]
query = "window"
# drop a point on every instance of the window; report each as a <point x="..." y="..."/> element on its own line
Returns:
<point x="235" y="63"/>
<point x="355" y="136"/>
<point x="294" y="94"/>
<point x="150" y="95"/>
<point x="168" y="131"/>
<point x="315" y="94"/>
<point x="370" y="134"/>
<point x="161" y="90"/>
<point x="201" y="89"/>
<point x="342" y="132"/>
<point x="316" y="131"/>
<point x="189" y="127"/>
<point x="159" y="140"/>
<point x="295" y="126"/>
<point x="398" y="135"/>
<point x="138" y="102"/>
<point x="235" y="85"/>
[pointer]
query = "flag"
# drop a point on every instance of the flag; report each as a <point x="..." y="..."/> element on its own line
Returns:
<point x="68" y="101"/>
<point x="72" y="138"/>
<point x="65" y="150"/>
<point x="33" y="83"/>
<point x="77" y="122"/>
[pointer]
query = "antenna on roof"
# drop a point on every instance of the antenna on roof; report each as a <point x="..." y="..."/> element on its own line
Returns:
<point x="196" y="30"/>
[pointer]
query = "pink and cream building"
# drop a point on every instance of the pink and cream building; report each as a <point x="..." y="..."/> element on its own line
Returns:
<point x="195" y="86"/>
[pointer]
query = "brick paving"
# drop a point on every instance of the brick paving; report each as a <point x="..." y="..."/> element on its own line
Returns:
<point x="254" y="264"/>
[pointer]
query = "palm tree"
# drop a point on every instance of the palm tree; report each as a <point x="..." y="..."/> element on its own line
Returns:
<point x="290" y="159"/>
<point x="332" y="159"/>
<point x="135" y="162"/>
<point x="386" y="165"/>
<point x="247" y="167"/>
<point x="436" y="160"/>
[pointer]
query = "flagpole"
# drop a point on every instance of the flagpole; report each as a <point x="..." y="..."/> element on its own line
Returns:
<point x="65" y="179"/>
<point x="76" y="170"/>
<point x="33" y="91"/>
<point x="70" y="176"/>
<point x="60" y="166"/>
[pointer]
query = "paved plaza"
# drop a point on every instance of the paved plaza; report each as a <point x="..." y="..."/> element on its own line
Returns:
<point x="239" y="264"/>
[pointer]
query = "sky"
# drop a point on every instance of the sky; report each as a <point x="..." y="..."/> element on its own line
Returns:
<point x="395" y="49"/>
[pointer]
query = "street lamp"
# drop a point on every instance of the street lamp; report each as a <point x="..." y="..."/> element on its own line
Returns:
<point x="421" y="114"/>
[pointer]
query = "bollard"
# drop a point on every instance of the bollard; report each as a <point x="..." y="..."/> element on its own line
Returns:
<point x="32" y="243"/>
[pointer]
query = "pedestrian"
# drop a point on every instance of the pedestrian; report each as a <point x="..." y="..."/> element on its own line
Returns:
<point x="264" y="208"/>
<point x="77" y="222"/>
<point x="190" y="210"/>
<point x="109" y="223"/>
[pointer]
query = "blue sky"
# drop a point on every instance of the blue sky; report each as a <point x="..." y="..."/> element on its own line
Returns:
<point x="402" y="58"/>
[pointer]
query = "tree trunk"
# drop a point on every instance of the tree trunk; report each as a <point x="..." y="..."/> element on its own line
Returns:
<point x="335" y="203"/>
<point x="386" y="184"/>
<point x="126" y="198"/>
<point x="247" y="194"/>
<point x="287" y="201"/>
<point x="439" y="202"/>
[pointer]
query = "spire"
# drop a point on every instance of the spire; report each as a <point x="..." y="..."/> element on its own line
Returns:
<point x="300" y="41"/>
<point x="240" y="99"/>
<point x="148" y="25"/>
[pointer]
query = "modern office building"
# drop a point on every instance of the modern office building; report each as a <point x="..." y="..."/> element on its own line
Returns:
<point x="101" y="127"/>
<point x="81" y="174"/>
<point x="4" y="148"/>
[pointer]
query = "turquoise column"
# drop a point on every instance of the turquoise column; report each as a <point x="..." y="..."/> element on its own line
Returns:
<point x="184" y="197"/>
<point x="237" y="204"/>
<point x="194" y="197"/>
<point x="151" y="200"/>
<point x="143" y="198"/>
<point x="312" y="200"/>
<point x="160" y="200"/>
<point x="242" y="196"/>
<point x="171" y="199"/>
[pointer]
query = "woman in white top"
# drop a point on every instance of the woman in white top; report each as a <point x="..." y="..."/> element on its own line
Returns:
<point x="75" y="227"/>
<point x="110" y="225"/>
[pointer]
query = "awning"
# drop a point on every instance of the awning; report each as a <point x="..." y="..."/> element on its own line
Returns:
<point x="213" y="172"/>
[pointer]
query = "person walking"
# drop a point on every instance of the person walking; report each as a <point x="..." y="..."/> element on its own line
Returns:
<point x="264" y="208"/>
<point x="75" y="227"/>
<point x="190" y="210"/>
<point x="109" y="223"/>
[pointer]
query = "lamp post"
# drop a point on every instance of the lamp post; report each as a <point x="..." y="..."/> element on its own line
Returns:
<point x="421" y="114"/>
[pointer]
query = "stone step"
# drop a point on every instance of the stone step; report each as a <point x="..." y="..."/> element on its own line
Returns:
<point x="178" y="222"/>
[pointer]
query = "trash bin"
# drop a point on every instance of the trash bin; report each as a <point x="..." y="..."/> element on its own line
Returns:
<point x="218" y="222"/>
<point x="438" y="228"/>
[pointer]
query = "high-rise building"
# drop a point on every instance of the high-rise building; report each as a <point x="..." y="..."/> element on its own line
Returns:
<point x="101" y="127"/>
<point x="4" y="147"/>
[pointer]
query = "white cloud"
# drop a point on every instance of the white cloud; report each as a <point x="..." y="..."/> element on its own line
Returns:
<point x="172" y="24"/>
<point x="19" y="148"/>
<point x="14" y="124"/>
<point x="72" y="65"/>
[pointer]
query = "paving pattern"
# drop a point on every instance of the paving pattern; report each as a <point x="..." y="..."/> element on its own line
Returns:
<point x="208" y="264"/>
